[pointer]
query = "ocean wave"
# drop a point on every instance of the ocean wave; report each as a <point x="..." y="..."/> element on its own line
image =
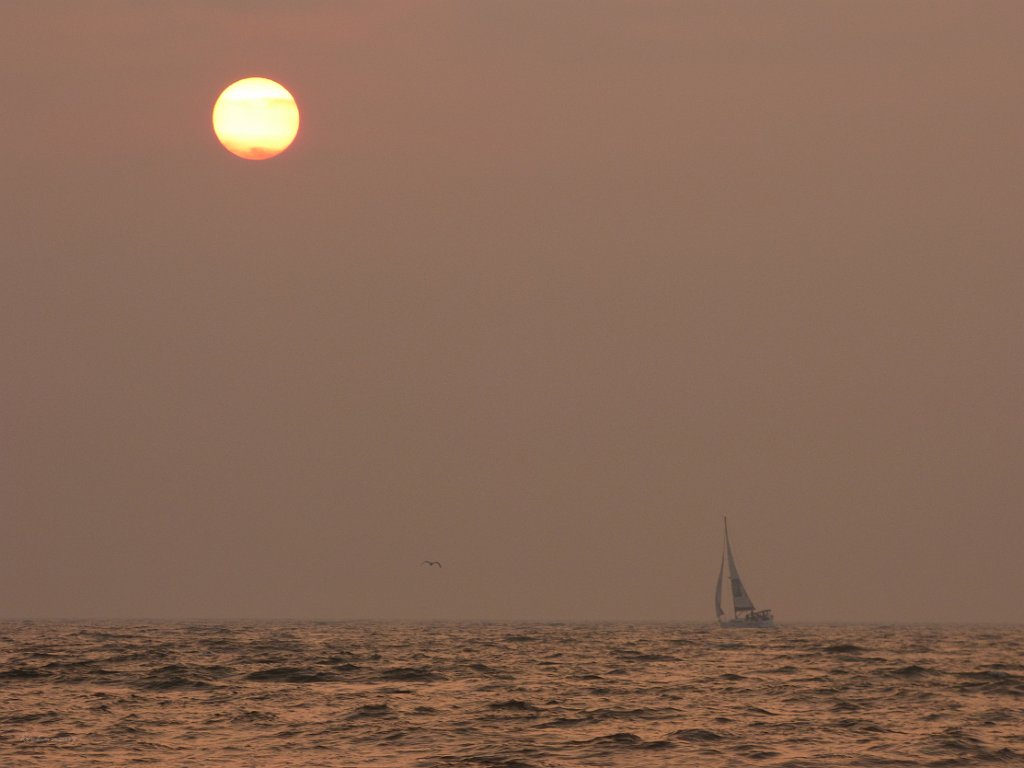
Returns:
<point x="696" y="734"/>
<point x="291" y="675"/>
<point x="625" y="739"/>
<point x="843" y="648"/>
<point x="489" y="671"/>
<point x="911" y="670"/>
<point x="409" y="674"/>
<point x="514" y="705"/>
<point x="371" y="710"/>
<point x="631" y="655"/>
<point x="23" y="673"/>
<point x="172" y="677"/>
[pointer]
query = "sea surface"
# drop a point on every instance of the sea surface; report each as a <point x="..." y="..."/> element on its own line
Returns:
<point x="508" y="695"/>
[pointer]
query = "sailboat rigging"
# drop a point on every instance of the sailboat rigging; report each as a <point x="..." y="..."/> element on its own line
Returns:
<point x="744" y="612"/>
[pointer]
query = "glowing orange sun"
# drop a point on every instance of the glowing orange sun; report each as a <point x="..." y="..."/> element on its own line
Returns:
<point x="255" y="118"/>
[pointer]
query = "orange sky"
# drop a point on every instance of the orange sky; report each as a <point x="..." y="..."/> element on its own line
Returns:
<point x="542" y="290"/>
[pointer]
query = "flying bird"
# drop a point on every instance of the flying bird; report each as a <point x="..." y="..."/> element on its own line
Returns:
<point x="431" y="562"/>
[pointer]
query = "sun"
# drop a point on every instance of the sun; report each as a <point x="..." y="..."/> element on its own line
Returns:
<point x="255" y="118"/>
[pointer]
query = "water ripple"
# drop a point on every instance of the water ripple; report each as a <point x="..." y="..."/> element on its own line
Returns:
<point x="508" y="695"/>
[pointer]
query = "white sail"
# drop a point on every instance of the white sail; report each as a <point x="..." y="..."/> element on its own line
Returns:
<point x="740" y="599"/>
<point x="718" y="589"/>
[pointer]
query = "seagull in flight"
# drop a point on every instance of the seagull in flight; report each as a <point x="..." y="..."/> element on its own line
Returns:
<point x="432" y="562"/>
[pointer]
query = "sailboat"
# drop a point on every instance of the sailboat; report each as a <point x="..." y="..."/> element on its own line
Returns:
<point x="744" y="613"/>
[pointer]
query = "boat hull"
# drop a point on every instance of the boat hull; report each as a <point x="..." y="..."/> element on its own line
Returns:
<point x="745" y="624"/>
<point x="753" y="620"/>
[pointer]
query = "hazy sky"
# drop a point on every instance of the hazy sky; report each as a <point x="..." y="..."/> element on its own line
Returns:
<point x="542" y="290"/>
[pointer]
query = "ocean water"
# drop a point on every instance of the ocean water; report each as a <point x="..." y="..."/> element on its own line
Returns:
<point x="508" y="695"/>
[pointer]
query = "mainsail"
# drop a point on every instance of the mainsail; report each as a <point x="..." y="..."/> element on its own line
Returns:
<point x="718" y="589"/>
<point x="740" y="599"/>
